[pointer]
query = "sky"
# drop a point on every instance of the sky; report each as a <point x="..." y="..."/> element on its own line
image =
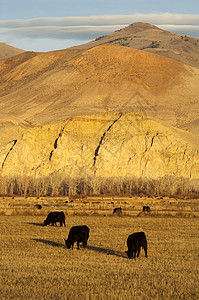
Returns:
<point x="45" y="25"/>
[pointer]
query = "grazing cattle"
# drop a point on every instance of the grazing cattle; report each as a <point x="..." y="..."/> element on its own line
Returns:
<point x="117" y="211"/>
<point x="146" y="209"/>
<point x="79" y="234"/>
<point x="134" y="243"/>
<point x="54" y="217"/>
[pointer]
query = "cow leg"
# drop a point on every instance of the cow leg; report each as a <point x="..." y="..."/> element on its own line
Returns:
<point x="145" y="250"/>
<point x="138" y="252"/>
<point x="60" y="223"/>
<point x="77" y="245"/>
<point x="130" y="254"/>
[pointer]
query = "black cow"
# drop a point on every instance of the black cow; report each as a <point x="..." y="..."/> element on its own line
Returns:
<point x="134" y="243"/>
<point x="117" y="211"/>
<point x="54" y="217"/>
<point x="79" y="234"/>
<point x="38" y="206"/>
<point x="146" y="209"/>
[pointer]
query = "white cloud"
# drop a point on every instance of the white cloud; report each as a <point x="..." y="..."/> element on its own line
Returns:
<point x="191" y="30"/>
<point x="160" y="18"/>
<point x="62" y="32"/>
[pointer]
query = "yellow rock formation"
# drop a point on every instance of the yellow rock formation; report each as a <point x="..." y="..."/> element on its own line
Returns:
<point x="106" y="145"/>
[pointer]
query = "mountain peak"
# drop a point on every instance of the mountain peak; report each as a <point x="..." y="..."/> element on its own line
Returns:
<point x="140" y="26"/>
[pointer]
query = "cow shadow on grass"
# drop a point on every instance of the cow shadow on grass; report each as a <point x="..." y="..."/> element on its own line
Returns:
<point x="36" y="224"/>
<point x="51" y="243"/>
<point x="106" y="251"/>
<point x="92" y="248"/>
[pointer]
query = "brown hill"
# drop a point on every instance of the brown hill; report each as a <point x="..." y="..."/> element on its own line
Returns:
<point x="46" y="88"/>
<point x="150" y="38"/>
<point x="74" y="119"/>
<point x="7" y="51"/>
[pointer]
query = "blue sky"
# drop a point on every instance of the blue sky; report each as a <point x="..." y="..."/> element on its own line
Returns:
<point x="44" y="25"/>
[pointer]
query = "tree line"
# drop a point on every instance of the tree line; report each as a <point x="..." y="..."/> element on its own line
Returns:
<point x="66" y="186"/>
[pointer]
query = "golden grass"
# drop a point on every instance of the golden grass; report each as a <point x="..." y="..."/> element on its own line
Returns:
<point x="102" y="206"/>
<point x="36" y="265"/>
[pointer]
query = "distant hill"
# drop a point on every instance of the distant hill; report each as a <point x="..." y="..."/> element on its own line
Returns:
<point x="72" y="119"/>
<point x="7" y="51"/>
<point x="150" y="38"/>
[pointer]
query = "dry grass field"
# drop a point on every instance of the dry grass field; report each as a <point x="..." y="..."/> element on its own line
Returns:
<point x="35" y="264"/>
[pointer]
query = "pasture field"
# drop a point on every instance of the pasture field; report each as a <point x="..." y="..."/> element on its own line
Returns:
<point x="35" y="263"/>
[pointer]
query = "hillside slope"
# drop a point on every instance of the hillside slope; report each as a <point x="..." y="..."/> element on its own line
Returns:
<point x="7" y="51"/>
<point x="97" y="120"/>
<point x="48" y="88"/>
<point x="150" y="38"/>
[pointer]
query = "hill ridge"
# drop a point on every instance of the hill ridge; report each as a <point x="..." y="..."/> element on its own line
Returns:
<point x="151" y="38"/>
<point x="7" y="51"/>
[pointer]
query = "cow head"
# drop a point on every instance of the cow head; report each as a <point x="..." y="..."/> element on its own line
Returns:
<point x="68" y="244"/>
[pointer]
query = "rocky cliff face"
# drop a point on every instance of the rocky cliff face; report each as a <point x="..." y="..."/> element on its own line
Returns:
<point x="118" y="145"/>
